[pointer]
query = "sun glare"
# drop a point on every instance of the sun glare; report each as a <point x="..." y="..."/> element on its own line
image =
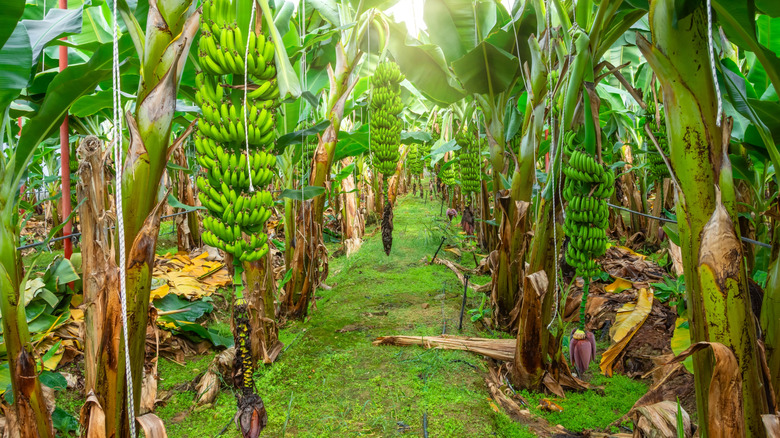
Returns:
<point x="410" y="12"/>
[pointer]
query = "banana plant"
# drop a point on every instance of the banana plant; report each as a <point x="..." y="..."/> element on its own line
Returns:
<point x="716" y="278"/>
<point x="309" y="252"/>
<point x="756" y="125"/>
<point x="20" y="59"/>
<point x="162" y="50"/>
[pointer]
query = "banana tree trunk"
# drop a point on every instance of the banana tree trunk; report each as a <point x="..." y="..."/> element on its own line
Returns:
<point x="309" y="248"/>
<point x="171" y="27"/>
<point x="98" y="262"/>
<point x="260" y="293"/>
<point x="395" y="181"/>
<point x="507" y="279"/>
<point x="487" y="232"/>
<point x="353" y="224"/>
<point x="538" y="351"/>
<point x="379" y="200"/>
<point x="654" y="224"/>
<point x="187" y="226"/>
<point x="289" y="231"/>
<point x="30" y="415"/>
<point x="770" y="312"/>
<point x="716" y="280"/>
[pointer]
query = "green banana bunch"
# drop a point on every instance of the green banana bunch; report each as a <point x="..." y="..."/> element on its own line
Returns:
<point x="447" y="175"/>
<point x="232" y="183"/>
<point x="385" y="131"/>
<point x="222" y="45"/>
<point x="657" y="166"/>
<point x="413" y="160"/>
<point x="469" y="159"/>
<point x="425" y="148"/>
<point x="385" y="124"/>
<point x="588" y="187"/>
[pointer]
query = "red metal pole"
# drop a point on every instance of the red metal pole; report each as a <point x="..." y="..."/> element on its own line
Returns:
<point x="65" y="158"/>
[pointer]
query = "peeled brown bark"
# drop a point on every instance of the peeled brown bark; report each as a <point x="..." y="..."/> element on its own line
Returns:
<point x="310" y="255"/>
<point x="353" y="224"/>
<point x="510" y="263"/>
<point x="187" y="226"/>
<point x="102" y="310"/>
<point x="97" y="256"/>
<point x="260" y="292"/>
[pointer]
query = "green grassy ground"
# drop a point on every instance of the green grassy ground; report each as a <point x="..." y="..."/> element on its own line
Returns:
<point x="331" y="384"/>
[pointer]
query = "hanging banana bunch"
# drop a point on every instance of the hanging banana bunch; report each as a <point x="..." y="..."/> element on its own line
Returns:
<point x="588" y="187"/>
<point x="657" y="166"/>
<point x="237" y="93"/>
<point x="386" y="134"/>
<point x="414" y="161"/>
<point x="425" y="148"/>
<point x="236" y="223"/>
<point x="469" y="162"/>
<point x="447" y="175"/>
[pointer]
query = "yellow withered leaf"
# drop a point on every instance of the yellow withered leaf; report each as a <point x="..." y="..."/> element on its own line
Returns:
<point x="192" y="278"/>
<point x="77" y="314"/>
<point x="630" y="318"/>
<point x="160" y="292"/>
<point x="632" y="252"/>
<point x="619" y="285"/>
<point x="455" y="251"/>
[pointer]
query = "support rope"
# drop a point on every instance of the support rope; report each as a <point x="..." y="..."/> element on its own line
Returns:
<point x="712" y="62"/>
<point x="245" y="110"/>
<point x="117" y="132"/>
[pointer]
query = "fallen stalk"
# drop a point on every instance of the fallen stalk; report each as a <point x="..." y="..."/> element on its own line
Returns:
<point x="499" y="349"/>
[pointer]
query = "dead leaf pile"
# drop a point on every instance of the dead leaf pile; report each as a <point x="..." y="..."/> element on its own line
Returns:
<point x="621" y="262"/>
<point x="187" y="276"/>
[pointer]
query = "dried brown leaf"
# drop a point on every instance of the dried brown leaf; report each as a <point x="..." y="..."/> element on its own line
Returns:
<point x="725" y="397"/>
<point x="152" y="426"/>
<point x="92" y="418"/>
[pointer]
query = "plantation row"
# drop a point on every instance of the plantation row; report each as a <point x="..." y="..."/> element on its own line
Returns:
<point x="622" y="150"/>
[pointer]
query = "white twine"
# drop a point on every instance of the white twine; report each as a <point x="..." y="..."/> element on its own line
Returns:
<point x="246" y="82"/>
<point x="712" y="61"/>
<point x="557" y="150"/>
<point x="117" y="113"/>
<point x="554" y="148"/>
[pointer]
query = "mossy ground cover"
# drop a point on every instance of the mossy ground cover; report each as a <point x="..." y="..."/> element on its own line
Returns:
<point x="329" y="383"/>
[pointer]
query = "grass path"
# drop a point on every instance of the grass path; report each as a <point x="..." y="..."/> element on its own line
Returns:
<point x="337" y="384"/>
<point x="331" y="384"/>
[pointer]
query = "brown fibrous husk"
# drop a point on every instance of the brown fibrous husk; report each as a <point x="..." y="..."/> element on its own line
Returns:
<point x="387" y="227"/>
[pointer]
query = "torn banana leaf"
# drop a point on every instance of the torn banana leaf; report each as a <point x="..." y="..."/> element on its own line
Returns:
<point x="180" y="316"/>
<point x="627" y="322"/>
